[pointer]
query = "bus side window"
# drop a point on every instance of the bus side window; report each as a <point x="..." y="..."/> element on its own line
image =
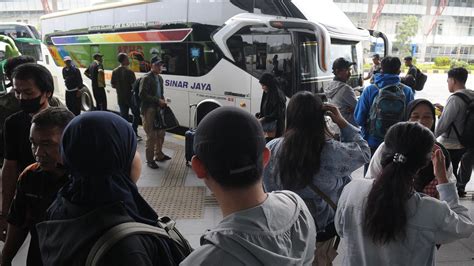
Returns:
<point x="175" y="58"/>
<point x="236" y="47"/>
<point x="196" y="60"/>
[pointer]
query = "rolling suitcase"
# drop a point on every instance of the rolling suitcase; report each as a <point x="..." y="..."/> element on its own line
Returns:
<point x="189" y="138"/>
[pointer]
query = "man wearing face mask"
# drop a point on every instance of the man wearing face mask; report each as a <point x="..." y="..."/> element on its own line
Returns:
<point x="38" y="184"/>
<point x="33" y="85"/>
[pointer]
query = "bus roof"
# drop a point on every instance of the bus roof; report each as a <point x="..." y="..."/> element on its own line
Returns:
<point x="336" y="22"/>
<point x="95" y="8"/>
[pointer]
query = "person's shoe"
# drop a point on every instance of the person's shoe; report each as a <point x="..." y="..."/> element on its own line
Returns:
<point x="165" y="158"/>
<point x="139" y="138"/>
<point x="152" y="165"/>
<point x="461" y="193"/>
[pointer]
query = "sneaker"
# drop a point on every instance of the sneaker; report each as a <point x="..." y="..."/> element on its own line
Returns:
<point x="461" y="193"/>
<point x="152" y="165"/>
<point x="165" y="158"/>
<point x="139" y="138"/>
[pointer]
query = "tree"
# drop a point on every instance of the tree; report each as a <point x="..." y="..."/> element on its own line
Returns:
<point x="405" y="32"/>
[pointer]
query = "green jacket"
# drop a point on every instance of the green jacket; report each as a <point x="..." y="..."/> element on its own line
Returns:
<point x="149" y="96"/>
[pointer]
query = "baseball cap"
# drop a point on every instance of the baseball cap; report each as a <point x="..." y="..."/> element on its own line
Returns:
<point x="97" y="55"/>
<point x="67" y="58"/>
<point x="342" y="63"/>
<point x="230" y="142"/>
<point x="156" y="60"/>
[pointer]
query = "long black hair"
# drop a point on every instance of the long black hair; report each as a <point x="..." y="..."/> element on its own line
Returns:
<point x="385" y="212"/>
<point x="303" y="141"/>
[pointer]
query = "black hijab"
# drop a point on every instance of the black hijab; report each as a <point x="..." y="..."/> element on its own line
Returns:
<point x="426" y="175"/>
<point x="413" y="104"/>
<point x="98" y="149"/>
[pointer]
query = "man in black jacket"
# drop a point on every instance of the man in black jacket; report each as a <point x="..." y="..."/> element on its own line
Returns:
<point x="152" y="100"/>
<point x="73" y="79"/>
<point x="412" y="72"/>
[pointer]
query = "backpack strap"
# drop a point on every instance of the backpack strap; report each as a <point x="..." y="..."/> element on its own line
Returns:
<point x="117" y="233"/>
<point x="398" y="85"/>
<point x="466" y="99"/>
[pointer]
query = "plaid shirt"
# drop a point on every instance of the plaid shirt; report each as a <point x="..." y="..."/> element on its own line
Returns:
<point x="431" y="190"/>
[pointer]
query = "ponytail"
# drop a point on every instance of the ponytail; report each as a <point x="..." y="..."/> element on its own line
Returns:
<point x="407" y="149"/>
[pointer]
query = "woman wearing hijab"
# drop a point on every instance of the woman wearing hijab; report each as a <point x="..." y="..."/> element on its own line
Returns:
<point x="272" y="107"/>
<point x="423" y="112"/>
<point x="98" y="148"/>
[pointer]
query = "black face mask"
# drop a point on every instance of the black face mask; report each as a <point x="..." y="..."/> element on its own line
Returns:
<point x="31" y="106"/>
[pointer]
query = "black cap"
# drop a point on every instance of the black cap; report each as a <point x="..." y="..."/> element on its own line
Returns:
<point x="230" y="141"/>
<point x="342" y="63"/>
<point x="97" y="55"/>
<point x="409" y="58"/>
<point x="156" y="60"/>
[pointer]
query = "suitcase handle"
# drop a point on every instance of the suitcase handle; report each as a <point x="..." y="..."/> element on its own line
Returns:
<point x="190" y="111"/>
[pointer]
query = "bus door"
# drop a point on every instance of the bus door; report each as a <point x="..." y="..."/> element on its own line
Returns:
<point x="263" y="44"/>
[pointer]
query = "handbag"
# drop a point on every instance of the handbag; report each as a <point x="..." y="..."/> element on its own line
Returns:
<point x="165" y="119"/>
<point x="330" y="249"/>
<point x="269" y="128"/>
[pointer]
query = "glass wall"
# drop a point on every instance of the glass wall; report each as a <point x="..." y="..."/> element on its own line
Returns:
<point x="451" y="34"/>
<point x="29" y="11"/>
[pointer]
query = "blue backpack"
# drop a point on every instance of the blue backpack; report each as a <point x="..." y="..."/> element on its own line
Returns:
<point x="387" y="109"/>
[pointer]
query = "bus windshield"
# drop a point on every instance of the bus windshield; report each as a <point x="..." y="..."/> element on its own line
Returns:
<point x="15" y="31"/>
<point x="29" y="46"/>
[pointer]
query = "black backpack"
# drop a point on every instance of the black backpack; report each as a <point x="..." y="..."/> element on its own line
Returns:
<point x="136" y="93"/>
<point x="467" y="137"/>
<point x="179" y="247"/>
<point x="420" y="80"/>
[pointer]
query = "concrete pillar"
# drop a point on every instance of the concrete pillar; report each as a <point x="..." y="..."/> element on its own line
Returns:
<point x="54" y="6"/>
<point x="370" y="13"/>
<point x="425" y="23"/>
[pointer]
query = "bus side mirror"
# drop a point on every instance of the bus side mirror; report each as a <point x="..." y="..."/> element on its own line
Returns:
<point x="386" y="42"/>
<point x="324" y="41"/>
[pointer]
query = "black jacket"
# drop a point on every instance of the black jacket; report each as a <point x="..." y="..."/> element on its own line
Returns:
<point x="149" y="95"/>
<point x="273" y="108"/>
<point x="68" y="241"/>
<point x="72" y="77"/>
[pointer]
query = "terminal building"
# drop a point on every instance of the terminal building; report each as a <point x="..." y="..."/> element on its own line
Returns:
<point x="29" y="11"/>
<point x="445" y="28"/>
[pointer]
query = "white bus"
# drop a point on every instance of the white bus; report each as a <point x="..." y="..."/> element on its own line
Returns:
<point x="212" y="49"/>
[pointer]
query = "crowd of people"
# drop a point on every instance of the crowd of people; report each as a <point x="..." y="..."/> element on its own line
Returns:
<point x="282" y="178"/>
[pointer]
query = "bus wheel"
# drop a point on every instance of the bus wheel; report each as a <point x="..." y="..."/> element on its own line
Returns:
<point x="87" y="103"/>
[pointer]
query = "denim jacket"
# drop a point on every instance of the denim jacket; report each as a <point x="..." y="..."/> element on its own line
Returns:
<point x="338" y="161"/>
